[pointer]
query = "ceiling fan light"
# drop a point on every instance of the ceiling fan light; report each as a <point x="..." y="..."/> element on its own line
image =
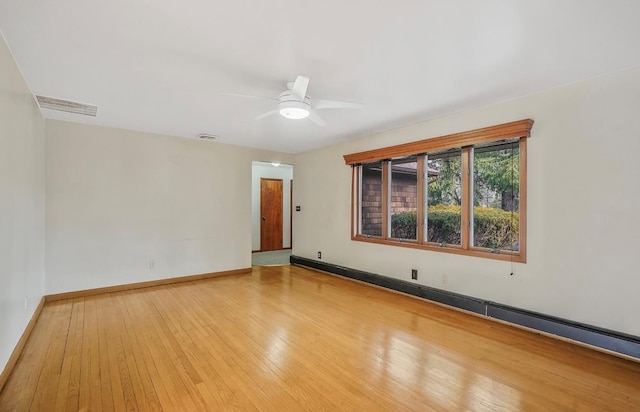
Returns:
<point x="294" y="110"/>
<point x="294" y="113"/>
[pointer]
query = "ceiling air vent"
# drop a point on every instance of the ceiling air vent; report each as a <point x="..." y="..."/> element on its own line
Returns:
<point x="207" y="136"/>
<point x="67" y="106"/>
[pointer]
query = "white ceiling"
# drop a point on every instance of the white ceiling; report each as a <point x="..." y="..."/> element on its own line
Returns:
<point x="161" y="65"/>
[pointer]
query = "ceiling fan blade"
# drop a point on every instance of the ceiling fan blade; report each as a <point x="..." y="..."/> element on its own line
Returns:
<point x="249" y="96"/>
<point x="299" y="89"/>
<point x="266" y="114"/>
<point x="332" y="104"/>
<point x="313" y="116"/>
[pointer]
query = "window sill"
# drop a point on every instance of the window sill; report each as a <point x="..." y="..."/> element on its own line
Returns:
<point x="516" y="257"/>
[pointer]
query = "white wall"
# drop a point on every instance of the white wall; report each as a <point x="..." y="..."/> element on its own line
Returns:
<point x="267" y="170"/>
<point x="125" y="207"/>
<point x="21" y="204"/>
<point x="583" y="207"/>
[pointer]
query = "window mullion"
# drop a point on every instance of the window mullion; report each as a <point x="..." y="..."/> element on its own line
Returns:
<point x="466" y="195"/>
<point x="425" y="200"/>
<point x="356" y="178"/>
<point x="420" y="206"/>
<point x="386" y="204"/>
<point x="522" y="235"/>
<point x="471" y="200"/>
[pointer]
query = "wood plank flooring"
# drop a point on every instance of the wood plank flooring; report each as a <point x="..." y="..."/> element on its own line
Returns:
<point x="290" y="339"/>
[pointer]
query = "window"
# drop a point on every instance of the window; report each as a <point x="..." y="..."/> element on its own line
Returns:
<point x="444" y="198"/>
<point x="404" y="198"/>
<point x="463" y="193"/>
<point x="370" y="204"/>
<point x="495" y="197"/>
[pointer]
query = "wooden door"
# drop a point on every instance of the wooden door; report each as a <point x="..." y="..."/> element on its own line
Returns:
<point x="270" y="214"/>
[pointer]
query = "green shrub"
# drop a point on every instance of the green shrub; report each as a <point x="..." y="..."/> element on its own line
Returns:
<point x="404" y="225"/>
<point x="443" y="224"/>
<point x="496" y="228"/>
<point x="493" y="228"/>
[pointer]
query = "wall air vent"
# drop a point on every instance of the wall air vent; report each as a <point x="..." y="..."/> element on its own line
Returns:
<point x="67" y="106"/>
<point x="207" y="136"/>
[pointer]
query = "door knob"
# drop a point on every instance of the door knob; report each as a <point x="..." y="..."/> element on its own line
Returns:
<point x="264" y="218"/>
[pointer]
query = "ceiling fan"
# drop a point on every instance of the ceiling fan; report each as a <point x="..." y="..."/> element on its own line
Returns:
<point x="295" y="104"/>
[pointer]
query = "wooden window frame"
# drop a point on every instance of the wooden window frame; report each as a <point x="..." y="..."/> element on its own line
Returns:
<point x="520" y="130"/>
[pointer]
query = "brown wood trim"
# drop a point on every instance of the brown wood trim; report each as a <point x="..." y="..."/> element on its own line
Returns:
<point x="17" y="351"/>
<point x="523" y="201"/>
<point x="520" y="128"/>
<point x="386" y="173"/>
<point x="355" y="210"/>
<point x="474" y="252"/>
<point x="465" y="208"/>
<point x="140" y="285"/>
<point x="420" y="203"/>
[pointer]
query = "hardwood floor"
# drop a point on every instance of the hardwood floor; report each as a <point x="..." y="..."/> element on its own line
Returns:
<point x="291" y="339"/>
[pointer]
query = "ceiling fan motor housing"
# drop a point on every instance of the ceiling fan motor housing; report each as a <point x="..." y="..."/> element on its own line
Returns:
<point x="292" y="108"/>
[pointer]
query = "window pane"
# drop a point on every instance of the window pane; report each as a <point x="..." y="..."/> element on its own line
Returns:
<point x="496" y="211"/>
<point x="444" y="198"/>
<point x="404" y="198"/>
<point x="371" y="199"/>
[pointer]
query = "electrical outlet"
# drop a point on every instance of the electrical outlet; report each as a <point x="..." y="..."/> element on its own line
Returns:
<point x="152" y="264"/>
<point x="445" y="279"/>
<point x="414" y="274"/>
<point x="319" y="255"/>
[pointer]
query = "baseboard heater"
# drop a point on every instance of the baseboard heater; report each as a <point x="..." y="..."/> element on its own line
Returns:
<point x="614" y="341"/>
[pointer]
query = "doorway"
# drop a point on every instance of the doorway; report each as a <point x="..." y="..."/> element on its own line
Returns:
<point x="281" y="172"/>
<point x="270" y="214"/>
